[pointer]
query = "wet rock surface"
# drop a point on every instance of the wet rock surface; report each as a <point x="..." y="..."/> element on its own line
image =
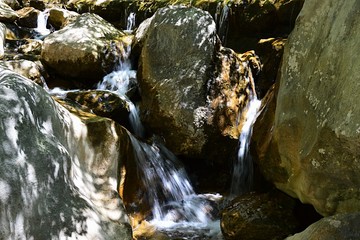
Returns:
<point x="258" y="216"/>
<point x="45" y="155"/>
<point x="340" y="226"/>
<point x="78" y="51"/>
<point x="312" y="151"/>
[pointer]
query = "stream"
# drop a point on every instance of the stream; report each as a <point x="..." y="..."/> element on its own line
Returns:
<point x="176" y="209"/>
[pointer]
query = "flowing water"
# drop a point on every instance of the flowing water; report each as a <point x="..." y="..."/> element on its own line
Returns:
<point x="242" y="177"/>
<point x="221" y="20"/>
<point x="130" y="22"/>
<point x="41" y="29"/>
<point x="176" y="209"/>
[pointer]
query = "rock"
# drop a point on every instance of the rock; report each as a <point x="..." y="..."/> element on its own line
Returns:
<point x="173" y="43"/>
<point x="341" y="226"/>
<point x="59" y="17"/>
<point x="38" y="4"/>
<point x="80" y="49"/>
<point x="104" y="104"/>
<point x="28" y="17"/>
<point x="30" y="47"/>
<point x="56" y="168"/>
<point x="257" y="216"/>
<point x="270" y="52"/>
<point x="2" y="39"/>
<point x="195" y="107"/>
<point x="31" y="70"/>
<point x="250" y="21"/>
<point x="312" y="152"/>
<point x="14" y="4"/>
<point x="7" y="14"/>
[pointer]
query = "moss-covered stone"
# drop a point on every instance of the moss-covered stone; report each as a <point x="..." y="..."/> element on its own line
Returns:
<point x="83" y="50"/>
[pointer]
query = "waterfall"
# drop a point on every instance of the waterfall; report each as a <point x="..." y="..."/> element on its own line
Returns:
<point x="130" y="22"/>
<point x="119" y="82"/>
<point x="243" y="167"/>
<point x="41" y="24"/>
<point x="221" y="20"/>
<point x="172" y="198"/>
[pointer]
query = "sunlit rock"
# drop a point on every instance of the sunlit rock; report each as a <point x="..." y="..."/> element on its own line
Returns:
<point x="58" y="175"/>
<point x="59" y="17"/>
<point x="2" y="39"/>
<point x="249" y="21"/>
<point x="83" y="50"/>
<point x="270" y="52"/>
<point x="14" y="4"/>
<point x="341" y="226"/>
<point x="104" y="104"/>
<point x="193" y="90"/>
<point x="7" y="14"/>
<point x="175" y="60"/>
<point x="311" y="148"/>
<point x="28" y="17"/>
<point x="31" y="70"/>
<point x="259" y="216"/>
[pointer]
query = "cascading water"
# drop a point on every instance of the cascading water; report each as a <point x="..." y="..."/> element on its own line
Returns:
<point x="130" y="22"/>
<point x="243" y="167"/>
<point x="119" y="81"/>
<point x="41" y="28"/>
<point x="221" y="19"/>
<point x="175" y="206"/>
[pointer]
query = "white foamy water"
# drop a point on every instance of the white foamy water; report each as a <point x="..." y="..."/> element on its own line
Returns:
<point x="41" y="28"/>
<point x="119" y="82"/>
<point x="243" y="167"/>
<point x="175" y="205"/>
<point x="221" y="19"/>
<point x="130" y="22"/>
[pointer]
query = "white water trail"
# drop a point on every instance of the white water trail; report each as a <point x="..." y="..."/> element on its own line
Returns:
<point x="243" y="168"/>
<point x="119" y="82"/>
<point x="130" y="22"/>
<point x="41" y="28"/>
<point x="221" y="19"/>
<point x="171" y="196"/>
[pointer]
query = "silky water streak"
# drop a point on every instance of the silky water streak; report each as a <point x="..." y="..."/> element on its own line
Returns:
<point x="242" y="177"/>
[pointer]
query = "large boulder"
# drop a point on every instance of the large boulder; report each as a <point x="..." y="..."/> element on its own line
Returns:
<point x="29" y="69"/>
<point x="193" y="90"/>
<point x="58" y="175"/>
<point x="84" y="49"/>
<point x="310" y="149"/>
<point x="174" y="67"/>
<point x="341" y="226"/>
<point x="257" y="216"/>
<point x="7" y="14"/>
<point x="59" y="18"/>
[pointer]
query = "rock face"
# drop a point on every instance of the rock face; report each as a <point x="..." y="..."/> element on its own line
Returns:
<point x="58" y="175"/>
<point x="193" y="90"/>
<point x="314" y="150"/>
<point x="79" y="50"/>
<point x="104" y="104"/>
<point x="341" y="226"/>
<point x="7" y="14"/>
<point x="26" y="68"/>
<point x="259" y="216"/>
<point x="59" y="17"/>
<point x="175" y="60"/>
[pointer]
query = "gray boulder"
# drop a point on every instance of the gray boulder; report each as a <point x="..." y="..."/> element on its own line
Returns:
<point x="341" y="226"/>
<point x="84" y="49"/>
<point x="7" y="14"/>
<point x="58" y="175"/>
<point x="193" y="90"/>
<point x="313" y="149"/>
